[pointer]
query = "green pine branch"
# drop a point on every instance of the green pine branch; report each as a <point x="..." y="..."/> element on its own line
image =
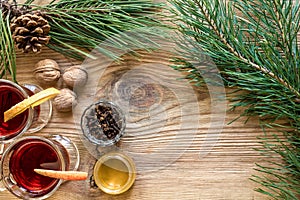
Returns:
<point x="280" y="180"/>
<point x="79" y="26"/>
<point x="7" y="52"/>
<point x="255" y="47"/>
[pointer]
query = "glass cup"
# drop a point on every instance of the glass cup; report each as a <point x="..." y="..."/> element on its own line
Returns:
<point x="114" y="172"/>
<point x="32" y="120"/>
<point x="103" y="123"/>
<point x="30" y="152"/>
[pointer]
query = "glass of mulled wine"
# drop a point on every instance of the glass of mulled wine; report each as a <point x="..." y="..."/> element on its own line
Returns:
<point x="32" y="152"/>
<point x="32" y="120"/>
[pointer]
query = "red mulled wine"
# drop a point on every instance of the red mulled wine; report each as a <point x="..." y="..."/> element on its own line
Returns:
<point x="30" y="154"/>
<point x="9" y="96"/>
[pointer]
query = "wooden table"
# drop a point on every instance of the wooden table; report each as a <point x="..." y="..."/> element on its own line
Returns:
<point x="177" y="152"/>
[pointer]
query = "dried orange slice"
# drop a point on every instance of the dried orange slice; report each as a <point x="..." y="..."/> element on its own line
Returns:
<point x="65" y="175"/>
<point x="32" y="101"/>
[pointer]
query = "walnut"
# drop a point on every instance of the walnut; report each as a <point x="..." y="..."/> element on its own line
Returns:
<point x="47" y="72"/>
<point x="75" y="76"/>
<point x="65" y="101"/>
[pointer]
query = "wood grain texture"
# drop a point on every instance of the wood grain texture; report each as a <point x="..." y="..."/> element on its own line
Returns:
<point x="178" y="171"/>
<point x="168" y="155"/>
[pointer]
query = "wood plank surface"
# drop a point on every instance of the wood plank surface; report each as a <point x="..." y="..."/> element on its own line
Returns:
<point x="177" y="153"/>
<point x="178" y="170"/>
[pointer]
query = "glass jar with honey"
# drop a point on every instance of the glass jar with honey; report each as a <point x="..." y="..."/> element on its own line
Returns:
<point x="114" y="172"/>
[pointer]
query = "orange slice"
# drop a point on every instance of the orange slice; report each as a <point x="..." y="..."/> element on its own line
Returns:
<point x="65" y="175"/>
<point x="32" y="101"/>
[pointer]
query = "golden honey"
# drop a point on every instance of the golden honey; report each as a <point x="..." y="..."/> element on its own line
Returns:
<point x="114" y="173"/>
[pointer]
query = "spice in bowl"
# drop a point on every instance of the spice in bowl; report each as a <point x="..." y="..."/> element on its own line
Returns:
<point x="103" y="123"/>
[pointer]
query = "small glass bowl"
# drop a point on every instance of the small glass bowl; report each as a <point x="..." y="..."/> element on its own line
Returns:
<point x="103" y="123"/>
<point x="114" y="172"/>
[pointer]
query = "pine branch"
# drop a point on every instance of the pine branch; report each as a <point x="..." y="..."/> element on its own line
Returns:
<point x="257" y="53"/>
<point x="8" y="56"/>
<point x="277" y="12"/>
<point x="79" y="26"/>
<point x="282" y="179"/>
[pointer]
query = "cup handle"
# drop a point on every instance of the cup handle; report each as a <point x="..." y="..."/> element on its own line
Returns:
<point x="71" y="149"/>
<point x="42" y="113"/>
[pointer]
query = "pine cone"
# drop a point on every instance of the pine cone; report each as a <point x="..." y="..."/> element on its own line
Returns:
<point x="12" y="9"/>
<point x="30" y="32"/>
<point x="5" y="7"/>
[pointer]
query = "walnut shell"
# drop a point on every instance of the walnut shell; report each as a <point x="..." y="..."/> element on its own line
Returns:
<point x="47" y="72"/>
<point x="75" y="76"/>
<point x="65" y="101"/>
